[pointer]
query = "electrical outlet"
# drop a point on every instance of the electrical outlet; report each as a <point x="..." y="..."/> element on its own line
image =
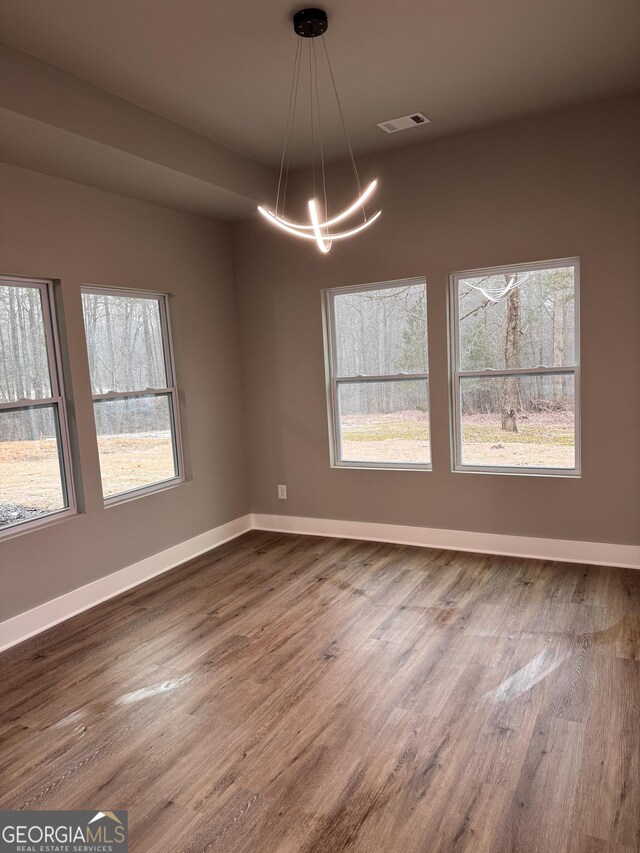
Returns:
<point x="282" y="492"/>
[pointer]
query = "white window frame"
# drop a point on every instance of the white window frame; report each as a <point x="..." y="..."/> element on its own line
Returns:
<point x="334" y="379"/>
<point x="57" y="400"/>
<point x="171" y="391"/>
<point x="457" y="374"/>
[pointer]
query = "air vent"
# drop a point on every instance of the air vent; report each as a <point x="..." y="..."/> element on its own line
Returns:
<point x="403" y="123"/>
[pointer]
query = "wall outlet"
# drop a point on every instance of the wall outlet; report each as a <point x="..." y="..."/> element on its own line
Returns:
<point x="282" y="492"/>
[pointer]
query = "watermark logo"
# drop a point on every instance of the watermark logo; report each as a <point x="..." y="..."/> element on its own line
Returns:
<point x="63" y="832"/>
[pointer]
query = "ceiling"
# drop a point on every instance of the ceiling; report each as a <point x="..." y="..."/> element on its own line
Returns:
<point x="222" y="68"/>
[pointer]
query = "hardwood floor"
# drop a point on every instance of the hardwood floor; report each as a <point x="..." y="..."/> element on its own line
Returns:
<point x="289" y="693"/>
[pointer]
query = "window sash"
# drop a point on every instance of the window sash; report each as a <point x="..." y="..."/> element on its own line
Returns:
<point x="454" y="299"/>
<point x="564" y="370"/>
<point x="171" y="391"/>
<point x="50" y="335"/>
<point x="334" y="379"/>
<point x="331" y="294"/>
<point x="339" y="462"/>
<point x="165" y="327"/>
<point x="57" y="400"/>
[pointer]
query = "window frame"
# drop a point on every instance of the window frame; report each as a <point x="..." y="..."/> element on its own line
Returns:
<point x="456" y="374"/>
<point x="170" y="391"/>
<point x="333" y="380"/>
<point x="57" y="400"/>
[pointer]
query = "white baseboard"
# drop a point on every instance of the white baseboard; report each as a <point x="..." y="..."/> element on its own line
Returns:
<point x="46" y="615"/>
<point x="564" y="550"/>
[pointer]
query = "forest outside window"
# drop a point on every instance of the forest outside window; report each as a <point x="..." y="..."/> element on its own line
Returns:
<point x="378" y="375"/>
<point x="516" y="380"/>
<point x="35" y="461"/>
<point x="134" y="393"/>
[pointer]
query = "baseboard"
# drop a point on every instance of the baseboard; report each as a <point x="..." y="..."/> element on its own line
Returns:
<point x="564" y="550"/>
<point x="46" y="615"/>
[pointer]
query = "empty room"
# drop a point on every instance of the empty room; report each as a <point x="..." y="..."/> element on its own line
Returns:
<point x="319" y="426"/>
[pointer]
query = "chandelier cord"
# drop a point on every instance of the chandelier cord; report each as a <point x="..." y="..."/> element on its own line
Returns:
<point x="324" y="179"/>
<point x="313" y="141"/>
<point x="290" y="143"/>
<point x="344" y="127"/>
<point x="293" y="97"/>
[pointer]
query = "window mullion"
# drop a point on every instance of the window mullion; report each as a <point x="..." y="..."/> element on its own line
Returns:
<point x="166" y="341"/>
<point x="46" y="299"/>
<point x="28" y="404"/>
<point x="516" y="371"/>
<point x="385" y="377"/>
<point x="124" y="395"/>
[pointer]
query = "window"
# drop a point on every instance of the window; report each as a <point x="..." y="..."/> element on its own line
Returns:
<point x="516" y="368"/>
<point x="35" y="462"/>
<point x="378" y="375"/>
<point x="134" y="395"/>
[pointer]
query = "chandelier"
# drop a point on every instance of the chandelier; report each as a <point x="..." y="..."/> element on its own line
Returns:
<point x="311" y="24"/>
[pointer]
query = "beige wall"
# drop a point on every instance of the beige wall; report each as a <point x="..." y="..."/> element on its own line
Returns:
<point x="551" y="187"/>
<point x="55" y="229"/>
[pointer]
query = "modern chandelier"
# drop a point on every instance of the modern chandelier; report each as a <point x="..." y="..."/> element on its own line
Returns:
<point x="311" y="24"/>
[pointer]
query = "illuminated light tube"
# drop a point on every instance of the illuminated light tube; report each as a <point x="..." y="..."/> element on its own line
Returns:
<point x="291" y="229"/>
<point x="318" y="230"/>
<point x="361" y="227"/>
<point x="345" y="213"/>
<point x="313" y="213"/>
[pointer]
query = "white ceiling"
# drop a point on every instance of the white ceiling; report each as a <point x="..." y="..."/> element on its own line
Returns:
<point x="221" y="68"/>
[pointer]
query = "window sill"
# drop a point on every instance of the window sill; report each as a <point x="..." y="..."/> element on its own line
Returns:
<point x="571" y="474"/>
<point x="134" y="494"/>
<point x="366" y="466"/>
<point x="22" y="527"/>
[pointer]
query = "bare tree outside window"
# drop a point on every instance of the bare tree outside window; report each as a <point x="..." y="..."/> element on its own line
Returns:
<point x="515" y="341"/>
<point x="379" y="375"/>
<point x="134" y="395"/>
<point x="35" y="464"/>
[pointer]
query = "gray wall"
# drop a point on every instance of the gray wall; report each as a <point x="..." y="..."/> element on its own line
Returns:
<point x="55" y="229"/>
<point x="551" y="187"/>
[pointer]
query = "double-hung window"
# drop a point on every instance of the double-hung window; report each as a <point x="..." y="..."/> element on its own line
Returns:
<point x="515" y="356"/>
<point x="378" y="381"/>
<point x="134" y="391"/>
<point x="35" y="462"/>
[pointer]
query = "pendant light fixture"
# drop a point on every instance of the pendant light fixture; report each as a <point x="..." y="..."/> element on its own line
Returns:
<point x="311" y="24"/>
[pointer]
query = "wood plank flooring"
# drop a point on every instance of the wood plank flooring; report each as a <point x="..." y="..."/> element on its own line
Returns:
<point x="298" y="694"/>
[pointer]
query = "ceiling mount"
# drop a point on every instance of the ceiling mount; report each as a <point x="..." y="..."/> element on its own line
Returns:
<point x="310" y="23"/>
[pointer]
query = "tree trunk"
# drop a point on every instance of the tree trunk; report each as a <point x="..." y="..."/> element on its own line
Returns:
<point x="510" y="391"/>
<point x="558" y="345"/>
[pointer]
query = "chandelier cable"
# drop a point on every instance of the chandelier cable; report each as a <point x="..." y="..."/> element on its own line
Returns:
<point x="324" y="178"/>
<point x="311" y="105"/>
<point x="290" y="143"/>
<point x="342" y="122"/>
<point x="286" y="148"/>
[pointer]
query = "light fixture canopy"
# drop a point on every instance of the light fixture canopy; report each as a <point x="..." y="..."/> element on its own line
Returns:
<point x="311" y="24"/>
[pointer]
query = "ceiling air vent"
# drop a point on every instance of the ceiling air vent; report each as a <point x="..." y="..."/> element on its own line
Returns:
<point x="403" y="123"/>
